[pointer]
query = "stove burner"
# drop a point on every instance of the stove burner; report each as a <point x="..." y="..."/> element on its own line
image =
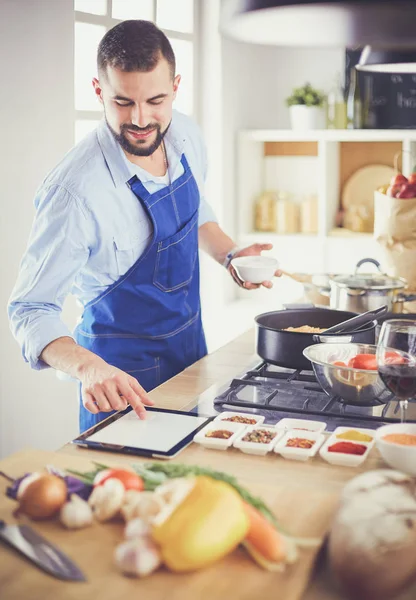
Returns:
<point x="269" y="390"/>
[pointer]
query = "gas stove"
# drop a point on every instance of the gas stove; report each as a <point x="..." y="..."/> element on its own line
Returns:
<point x="275" y="392"/>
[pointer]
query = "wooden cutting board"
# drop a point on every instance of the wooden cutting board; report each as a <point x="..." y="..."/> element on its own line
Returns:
<point x="304" y="510"/>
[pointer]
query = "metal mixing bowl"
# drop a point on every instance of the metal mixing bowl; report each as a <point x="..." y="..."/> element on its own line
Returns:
<point x="354" y="386"/>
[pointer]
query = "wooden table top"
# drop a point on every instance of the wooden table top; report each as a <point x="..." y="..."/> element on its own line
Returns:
<point x="266" y="474"/>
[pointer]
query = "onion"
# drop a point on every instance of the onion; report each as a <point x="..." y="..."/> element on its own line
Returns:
<point x="43" y="497"/>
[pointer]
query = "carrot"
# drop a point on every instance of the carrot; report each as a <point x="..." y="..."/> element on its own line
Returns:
<point x="264" y="537"/>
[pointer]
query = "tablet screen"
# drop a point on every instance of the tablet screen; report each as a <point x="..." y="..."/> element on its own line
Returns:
<point x="160" y="432"/>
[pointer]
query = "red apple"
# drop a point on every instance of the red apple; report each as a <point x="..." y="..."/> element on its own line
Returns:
<point x="407" y="190"/>
<point x="398" y="179"/>
<point x="412" y="178"/>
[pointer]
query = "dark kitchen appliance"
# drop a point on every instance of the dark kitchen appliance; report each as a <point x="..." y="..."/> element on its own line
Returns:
<point x="388" y="90"/>
<point x="285" y="348"/>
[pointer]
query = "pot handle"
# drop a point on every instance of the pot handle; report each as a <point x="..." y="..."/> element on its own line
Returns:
<point x="403" y="297"/>
<point x="333" y="339"/>
<point x="368" y="260"/>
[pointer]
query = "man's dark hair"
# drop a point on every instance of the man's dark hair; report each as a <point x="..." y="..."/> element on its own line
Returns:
<point x="134" y="46"/>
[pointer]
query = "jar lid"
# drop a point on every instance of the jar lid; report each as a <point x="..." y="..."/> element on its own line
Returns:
<point x="369" y="281"/>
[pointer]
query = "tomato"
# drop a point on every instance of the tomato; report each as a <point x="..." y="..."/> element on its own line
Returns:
<point x="394" y="358"/>
<point x="367" y="362"/>
<point x="130" y="480"/>
<point x="339" y="363"/>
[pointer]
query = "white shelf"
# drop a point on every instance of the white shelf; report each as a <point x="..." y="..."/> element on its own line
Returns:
<point x="329" y="135"/>
<point x="300" y="176"/>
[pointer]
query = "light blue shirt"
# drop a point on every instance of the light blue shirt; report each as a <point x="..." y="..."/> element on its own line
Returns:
<point x="89" y="229"/>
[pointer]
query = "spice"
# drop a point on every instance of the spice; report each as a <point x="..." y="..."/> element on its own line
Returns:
<point x="239" y="419"/>
<point x="405" y="439"/>
<point x="351" y="434"/>
<point x="347" y="448"/>
<point x="222" y="434"/>
<point x="259" y="436"/>
<point x="300" y="443"/>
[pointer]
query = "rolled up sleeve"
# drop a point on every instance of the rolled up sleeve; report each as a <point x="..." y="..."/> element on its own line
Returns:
<point x="57" y="251"/>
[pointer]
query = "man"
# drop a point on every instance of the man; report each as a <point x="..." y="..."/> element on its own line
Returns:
<point x="118" y="224"/>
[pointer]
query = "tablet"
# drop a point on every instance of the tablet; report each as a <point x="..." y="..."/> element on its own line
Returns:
<point x="162" y="435"/>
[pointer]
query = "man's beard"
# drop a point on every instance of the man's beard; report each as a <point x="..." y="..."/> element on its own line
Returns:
<point x="138" y="148"/>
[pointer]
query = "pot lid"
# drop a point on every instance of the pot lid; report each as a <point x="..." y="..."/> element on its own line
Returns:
<point x="369" y="281"/>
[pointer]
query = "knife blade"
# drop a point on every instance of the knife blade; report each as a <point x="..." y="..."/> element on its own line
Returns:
<point x="40" y="551"/>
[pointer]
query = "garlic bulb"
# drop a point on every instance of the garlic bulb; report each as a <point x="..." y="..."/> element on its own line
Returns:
<point x="136" y="528"/>
<point x="143" y="505"/>
<point x="138" y="557"/>
<point x="107" y="499"/>
<point x="76" y="513"/>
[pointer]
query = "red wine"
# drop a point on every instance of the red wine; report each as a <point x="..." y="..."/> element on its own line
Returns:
<point x="400" y="379"/>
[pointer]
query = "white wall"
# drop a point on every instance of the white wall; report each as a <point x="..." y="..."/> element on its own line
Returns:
<point x="36" y="125"/>
<point x="256" y="81"/>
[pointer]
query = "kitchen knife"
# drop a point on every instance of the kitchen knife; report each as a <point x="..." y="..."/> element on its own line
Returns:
<point x="40" y="551"/>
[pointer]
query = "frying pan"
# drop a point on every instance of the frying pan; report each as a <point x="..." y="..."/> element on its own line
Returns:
<point x="285" y="348"/>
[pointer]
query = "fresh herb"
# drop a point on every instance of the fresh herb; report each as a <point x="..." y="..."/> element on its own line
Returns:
<point x="89" y="476"/>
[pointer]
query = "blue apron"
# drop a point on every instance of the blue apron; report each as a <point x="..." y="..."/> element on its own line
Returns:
<point x="148" y="323"/>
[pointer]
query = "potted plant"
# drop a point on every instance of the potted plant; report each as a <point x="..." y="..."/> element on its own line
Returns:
<point x="306" y="106"/>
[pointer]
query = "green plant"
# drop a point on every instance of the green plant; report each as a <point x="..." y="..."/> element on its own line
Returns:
<point x="306" y="95"/>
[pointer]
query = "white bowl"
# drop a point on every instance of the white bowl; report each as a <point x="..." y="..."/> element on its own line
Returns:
<point x="218" y="443"/>
<point x="398" y="456"/>
<point x="255" y="269"/>
<point x="299" y="453"/>
<point x="230" y="414"/>
<point x="305" y="424"/>
<point x="257" y="447"/>
<point x="346" y="460"/>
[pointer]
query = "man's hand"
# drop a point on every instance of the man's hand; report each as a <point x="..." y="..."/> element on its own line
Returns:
<point x="106" y="388"/>
<point x="253" y="250"/>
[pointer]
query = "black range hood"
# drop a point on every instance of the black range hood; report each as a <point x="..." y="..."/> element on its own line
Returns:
<point x="383" y="23"/>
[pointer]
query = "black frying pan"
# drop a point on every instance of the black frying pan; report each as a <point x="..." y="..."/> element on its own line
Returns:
<point x="285" y="348"/>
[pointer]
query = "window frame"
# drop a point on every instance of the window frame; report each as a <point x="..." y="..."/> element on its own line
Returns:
<point x="108" y="22"/>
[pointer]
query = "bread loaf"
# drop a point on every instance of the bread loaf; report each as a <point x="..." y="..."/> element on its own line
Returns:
<point x="372" y="543"/>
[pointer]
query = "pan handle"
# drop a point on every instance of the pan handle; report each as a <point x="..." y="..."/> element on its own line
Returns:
<point x="333" y="339"/>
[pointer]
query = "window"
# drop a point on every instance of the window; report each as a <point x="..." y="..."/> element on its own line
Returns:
<point x="93" y="18"/>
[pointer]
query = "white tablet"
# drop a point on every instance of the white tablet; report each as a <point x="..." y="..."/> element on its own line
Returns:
<point x="162" y="435"/>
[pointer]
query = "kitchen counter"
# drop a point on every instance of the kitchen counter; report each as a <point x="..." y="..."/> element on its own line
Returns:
<point x="313" y="477"/>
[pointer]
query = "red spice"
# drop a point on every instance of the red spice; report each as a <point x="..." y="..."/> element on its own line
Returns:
<point x="347" y="448"/>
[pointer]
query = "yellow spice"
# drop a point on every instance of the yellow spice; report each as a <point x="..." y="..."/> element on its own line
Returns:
<point x="357" y="436"/>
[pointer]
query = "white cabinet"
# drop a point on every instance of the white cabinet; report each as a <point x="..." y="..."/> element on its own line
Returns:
<point x="319" y="163"/>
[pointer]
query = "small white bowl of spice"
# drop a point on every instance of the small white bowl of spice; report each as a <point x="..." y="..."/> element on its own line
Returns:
<point x="218" y="435"/>
<point x="245" y="419"/>
<point x="257" y="439"/>
<point x="299" y="445"/>
<point x="348" y="447"/>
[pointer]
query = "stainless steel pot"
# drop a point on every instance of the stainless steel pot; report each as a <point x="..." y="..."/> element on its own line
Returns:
<point x="367" y="291"/>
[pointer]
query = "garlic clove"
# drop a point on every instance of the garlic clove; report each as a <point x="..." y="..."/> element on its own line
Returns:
<point x="136" y="528"/>
<point x="107" y="499"/>
<point x="137" y="557"/>
<point x="76" y="513"/>
<point x="143" y="505"/>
